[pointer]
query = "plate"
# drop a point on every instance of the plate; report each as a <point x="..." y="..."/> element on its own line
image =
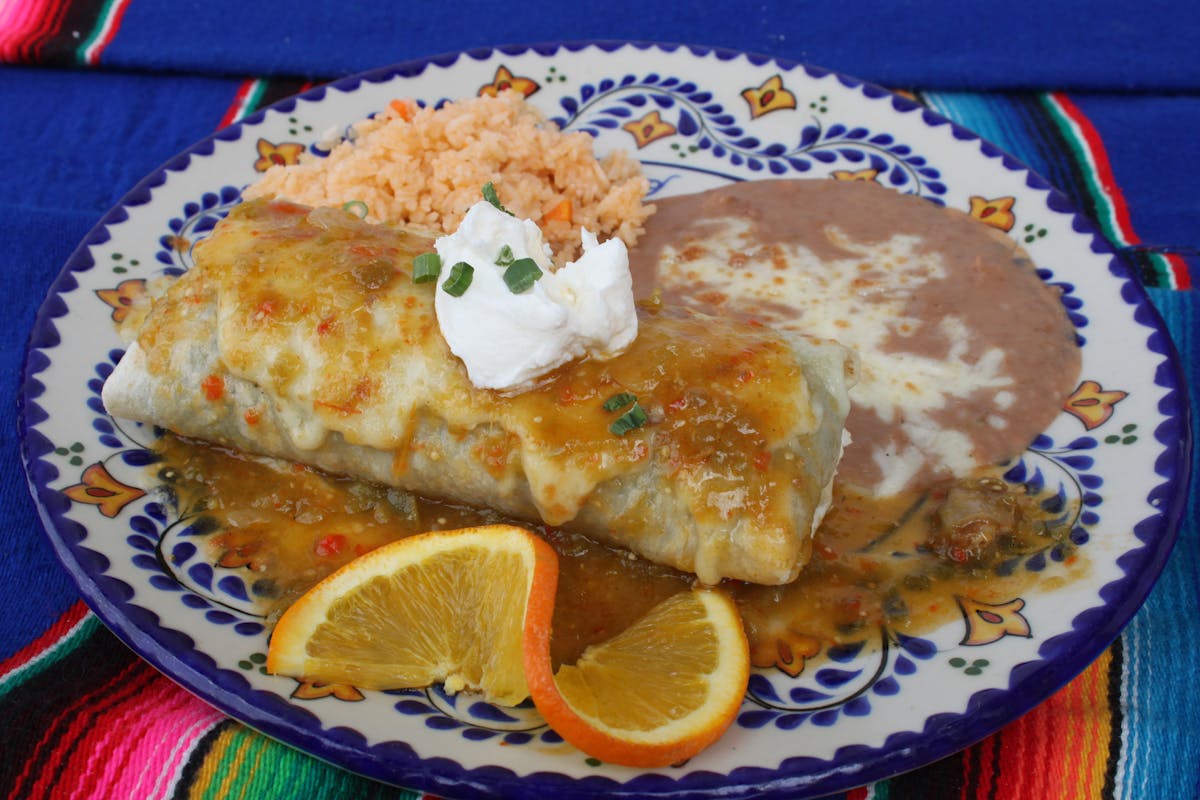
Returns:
<point x="1114" y="460"/>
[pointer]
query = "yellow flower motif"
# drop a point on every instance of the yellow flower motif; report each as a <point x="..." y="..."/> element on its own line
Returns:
<point x="315" y="690"/>
<point x="996" y="212"/>
<point x="270" y="154"/>
<point x="1092" y="405"/>
<point x="864" y="175"/>
<point x="649" y="128"/>
<point x="123" y="297"/>
<point x="987" y="622"/>
<point x="505" y="80"/>
<point x="771" y="96"/>
<point x="101" y="489"/>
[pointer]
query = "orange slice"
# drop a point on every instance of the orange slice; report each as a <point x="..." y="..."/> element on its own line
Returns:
<point x="656" y="694"/>
<point x="454" y="607"/>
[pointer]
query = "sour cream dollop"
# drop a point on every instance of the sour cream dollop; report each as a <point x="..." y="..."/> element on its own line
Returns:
<point x="506" y="340"/>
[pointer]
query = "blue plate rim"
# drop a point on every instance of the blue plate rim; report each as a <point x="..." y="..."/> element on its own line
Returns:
<point x="1061" y="658"/>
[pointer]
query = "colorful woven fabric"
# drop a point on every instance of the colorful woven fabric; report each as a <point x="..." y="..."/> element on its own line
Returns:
<point x="84" y="717"/>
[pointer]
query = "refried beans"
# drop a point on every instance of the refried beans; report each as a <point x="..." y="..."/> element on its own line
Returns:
<point x="966" y="353"/>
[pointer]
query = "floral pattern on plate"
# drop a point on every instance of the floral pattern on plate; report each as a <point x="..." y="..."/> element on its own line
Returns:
<point x="696" y="118"/>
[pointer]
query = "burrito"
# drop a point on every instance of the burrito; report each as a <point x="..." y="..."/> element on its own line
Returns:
<point x="300" y="334"/>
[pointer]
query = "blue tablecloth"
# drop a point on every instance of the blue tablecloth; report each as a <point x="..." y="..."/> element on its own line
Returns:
<point x="94" y="95"/>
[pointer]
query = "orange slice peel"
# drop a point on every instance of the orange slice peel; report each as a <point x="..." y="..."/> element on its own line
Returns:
<point x="472" y="609"/>
<point x="656" y="694"/>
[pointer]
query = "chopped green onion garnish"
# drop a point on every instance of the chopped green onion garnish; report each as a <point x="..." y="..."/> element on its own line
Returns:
<point x="635" y="417"/>
<point x="506" y="257"/>
<point x="460" y="278"/>
<point x="521" y="275"/>
<point x="619" y="401"/>
<point x="426" y="267"/>
<point x="489" y="194"/>
<point x="356" y="207"/>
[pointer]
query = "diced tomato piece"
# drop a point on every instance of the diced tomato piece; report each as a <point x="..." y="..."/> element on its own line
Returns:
<point x="213" y="387"/>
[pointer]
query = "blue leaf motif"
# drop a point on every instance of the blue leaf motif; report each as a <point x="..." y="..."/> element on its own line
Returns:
<point x="201" y="574"/>
<point x="490" y="712"/>
<point x="145" y="562"/>
<point x="617" y="111"/>
<point x="755" y="719"/>
<point x="687" y="123"/>
<point x="789" y="722"/>
<point x="1055" y="503"/>
<point x="140" y="458"/>
<point x="916" y="646"/>
<point x="442" y="723"/>
<point x="858" y="707"/>
<point x="569" y="105"/>
<point x="412" y="707"/>
<point x="233" y="586"/>
<point x="478" y="734"/>
<point x="835" y="131"/>
<point x="143" y="526"/>
<point x="140" y="543"/>
<point x="663" y="101"/>
<point x="833" y="678"/>
<point x="843" y="653"/>
<point x="826" y="718"/>
<point x="183" y="552"/>
<point x="762" y="688"/>
<point x="1016" y="473"/>
<point x="887" y="686"/>
<point x="635" y="100"/>
<point x="802" y="694"/>
<point x="809" y="135"/>
<point x="1079" y="462"/>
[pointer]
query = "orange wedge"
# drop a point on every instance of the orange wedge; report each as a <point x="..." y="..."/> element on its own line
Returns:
<point x="455" y="607"/>
<point x="656" y="694"/>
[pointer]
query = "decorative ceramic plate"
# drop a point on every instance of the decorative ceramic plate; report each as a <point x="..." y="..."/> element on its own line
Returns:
<point x="697" y="118"/>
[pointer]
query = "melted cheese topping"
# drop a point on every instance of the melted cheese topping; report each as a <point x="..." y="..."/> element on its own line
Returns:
<point x="319" y="311"/>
